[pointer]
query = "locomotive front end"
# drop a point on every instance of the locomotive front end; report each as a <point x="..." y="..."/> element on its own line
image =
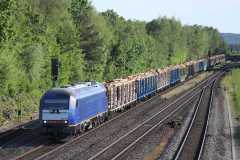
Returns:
<point x="54" y="108"/>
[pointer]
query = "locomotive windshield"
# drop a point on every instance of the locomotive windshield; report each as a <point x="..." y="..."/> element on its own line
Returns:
<point x="55" y="101"/>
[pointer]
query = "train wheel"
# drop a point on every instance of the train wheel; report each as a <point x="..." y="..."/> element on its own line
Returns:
<point x="90" y="126"/>
<point x="94" y="123"/>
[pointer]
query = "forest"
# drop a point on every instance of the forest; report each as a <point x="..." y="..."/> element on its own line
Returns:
<point x="90" y="45"/>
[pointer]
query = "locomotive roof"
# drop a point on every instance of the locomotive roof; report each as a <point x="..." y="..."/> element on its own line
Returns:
<point x="78" y="90"/>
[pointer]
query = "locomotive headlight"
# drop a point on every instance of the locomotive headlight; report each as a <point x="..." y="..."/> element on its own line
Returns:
<point x="65" y="122"/>
<point x="45" y="121"/>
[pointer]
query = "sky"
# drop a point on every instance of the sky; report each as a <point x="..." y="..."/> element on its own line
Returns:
<point x="221" y="14"/>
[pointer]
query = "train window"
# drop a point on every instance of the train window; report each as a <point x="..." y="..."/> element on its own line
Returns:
<point x="54" y="101"/>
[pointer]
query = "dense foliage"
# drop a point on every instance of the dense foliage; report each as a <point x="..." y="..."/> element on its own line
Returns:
<point x="90" y="46"/>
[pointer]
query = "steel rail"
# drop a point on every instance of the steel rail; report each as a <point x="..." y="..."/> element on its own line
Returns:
<point x="117" y="117"/>
<point x="155" y="126"/>
<point x="179" y="151"/>
<point x="152" y="128"/>
<point x="202" y="137"/>
<point x="142" y="124"/>
<point x="207" y="123"/>
<point x="160" y="123"/>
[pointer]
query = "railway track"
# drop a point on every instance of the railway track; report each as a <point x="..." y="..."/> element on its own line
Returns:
<point x="9" y="135"/>
<point x="124" y="143"/>
<point x="38" y="151"/>
<point x="28" y="146"/>
<point x="46" y="149"/>
<point x="83" y="146"/>
<point x="121" y="148"/>
<point x="192" y="144"/>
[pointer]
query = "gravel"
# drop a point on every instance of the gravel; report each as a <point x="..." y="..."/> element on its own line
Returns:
<point x="95" y="141"/>
<point x="151" y="146"/>
<point x="218" y="141"/>
<point x="25" y="143"/>
<point x="172" y="146"/>
<point x="20" y="144"/>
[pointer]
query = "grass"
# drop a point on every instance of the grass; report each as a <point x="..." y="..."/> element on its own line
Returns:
<point x="9" y="108"/>
<point x="232" y="83"/>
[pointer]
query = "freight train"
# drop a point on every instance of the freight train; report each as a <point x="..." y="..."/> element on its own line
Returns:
<point x="85" y="105"/>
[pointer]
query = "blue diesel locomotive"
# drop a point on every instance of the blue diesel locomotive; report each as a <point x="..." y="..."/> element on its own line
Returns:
<point x="78" y="107"/>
